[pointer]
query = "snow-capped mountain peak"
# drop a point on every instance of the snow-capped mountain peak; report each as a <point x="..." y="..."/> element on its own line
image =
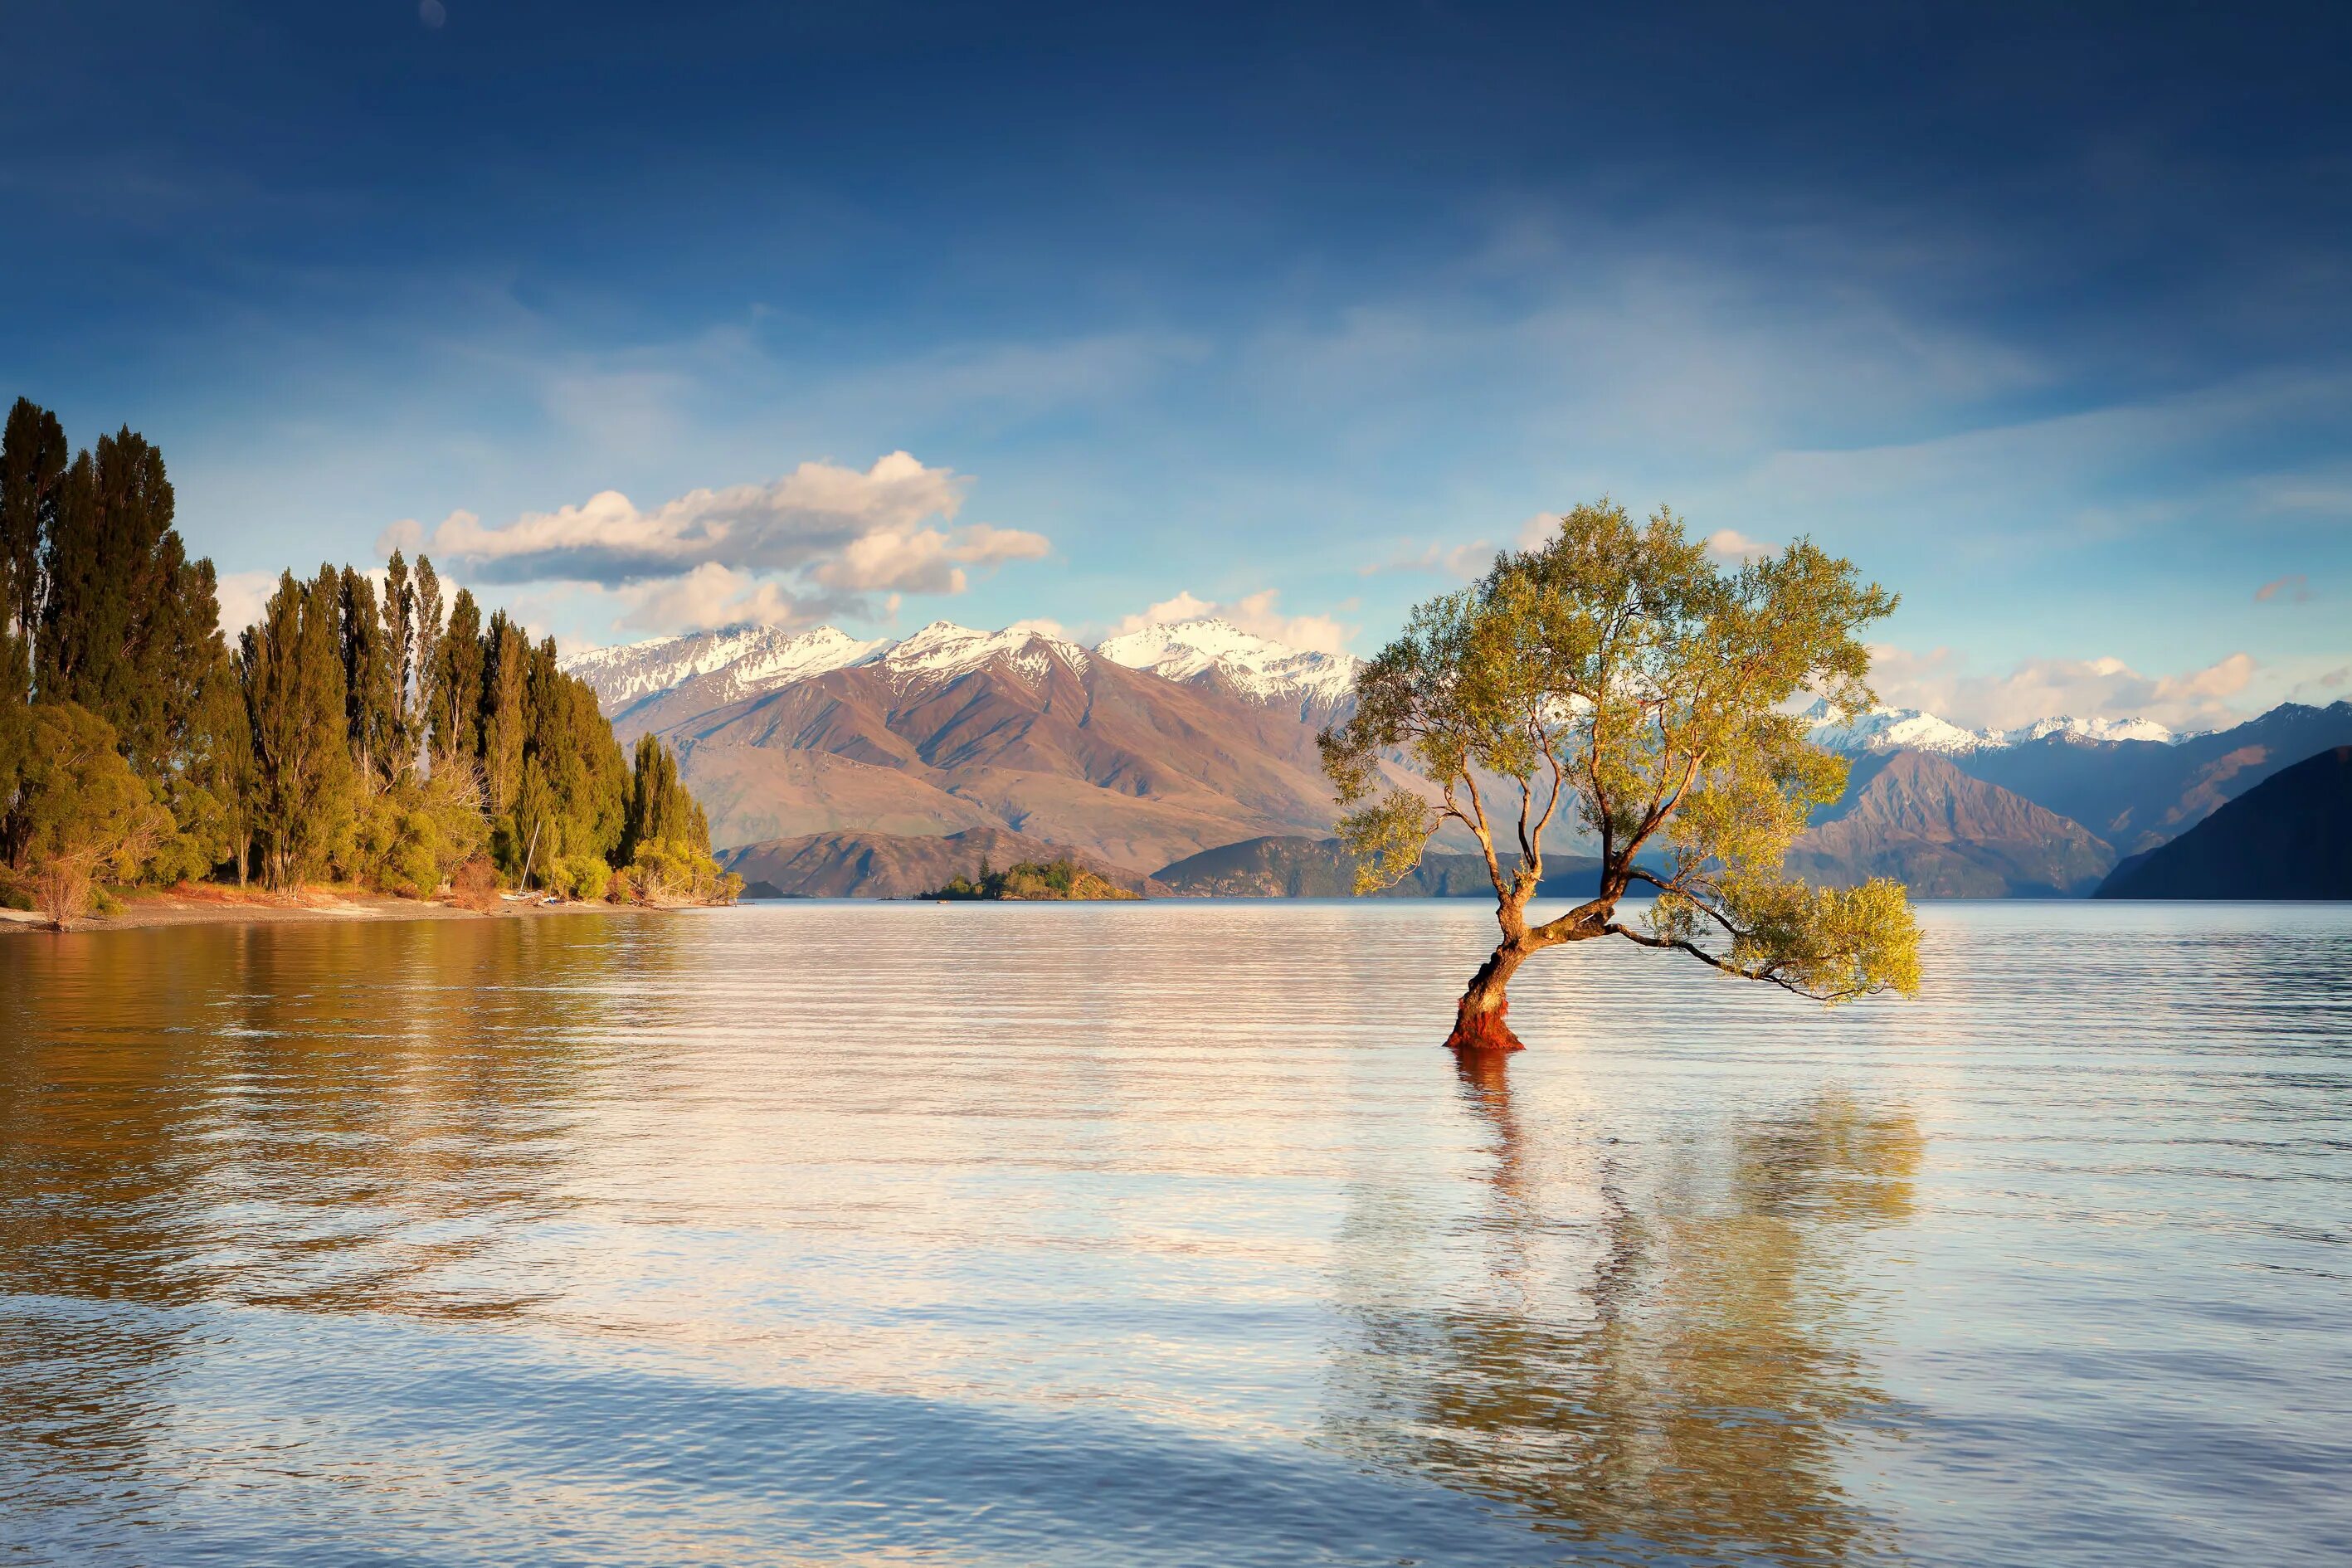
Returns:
<point x="1891" y="730"/>
<point x="1886" y="728"/>
<point x="944" y="650"/>
<point x="753" y="658"/>
<point x="2075" y="728"/>
<point x="1209" y="651"/>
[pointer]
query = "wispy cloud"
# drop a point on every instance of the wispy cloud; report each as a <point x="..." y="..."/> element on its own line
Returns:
<point x="1458" y="562"/>
<point x="2294" y="589"/>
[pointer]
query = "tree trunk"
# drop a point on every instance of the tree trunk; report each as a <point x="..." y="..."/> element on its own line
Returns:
<point x="1478" y="1020"/>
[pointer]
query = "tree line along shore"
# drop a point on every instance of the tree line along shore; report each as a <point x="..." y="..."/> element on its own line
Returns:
<point x="380" y="735"/>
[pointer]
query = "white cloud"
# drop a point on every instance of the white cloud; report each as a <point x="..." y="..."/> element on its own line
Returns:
<point x="810" y="518"/>
<point x="1257" y="613"/>
<point x="1460" y="562"/>
<point x="2103" y="688"/>
<point x="1731" y="544"/>
<point x="243" y="597"/>
<point x="925" y="560"/>
<point x="1041" y="625"/>
<point x="821" y="540"/>
<point x="714" y="595"/>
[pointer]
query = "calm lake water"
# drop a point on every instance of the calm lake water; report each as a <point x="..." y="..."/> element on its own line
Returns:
<point x="1162" y="1234"/>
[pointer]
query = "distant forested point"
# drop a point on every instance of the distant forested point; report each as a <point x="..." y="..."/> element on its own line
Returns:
<point x="354" y="734"/>
<point x="1030" y="881"/>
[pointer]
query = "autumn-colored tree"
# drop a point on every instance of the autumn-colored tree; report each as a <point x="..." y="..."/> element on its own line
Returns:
<point x="1618" y="675"/>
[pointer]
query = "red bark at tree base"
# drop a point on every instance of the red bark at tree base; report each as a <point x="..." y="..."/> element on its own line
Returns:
<point x="1482" y="1031"/>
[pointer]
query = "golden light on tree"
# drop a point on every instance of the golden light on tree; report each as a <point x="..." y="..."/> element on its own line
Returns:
<point x="1615" y="678"/>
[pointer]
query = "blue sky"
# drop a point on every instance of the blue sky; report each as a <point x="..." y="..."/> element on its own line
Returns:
<point x="2047" y="322"/>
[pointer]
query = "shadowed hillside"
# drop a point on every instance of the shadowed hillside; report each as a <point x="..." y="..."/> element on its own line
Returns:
<point x="2289" y="836"/>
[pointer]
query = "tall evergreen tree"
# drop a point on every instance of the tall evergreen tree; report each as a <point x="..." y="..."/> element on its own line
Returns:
<point x="370" y="695"/>
<point x="399" y="756"/>
<point x="504" y="724"/>
<point x="455" y="715"/>
<point x="425" y="655"/>
<point x="128" y="625"/>
<point x="291" y="666"/>
<point x="33" y="458"/>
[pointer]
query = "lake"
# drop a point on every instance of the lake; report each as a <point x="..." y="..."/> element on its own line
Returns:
<point x="1162" y="1234"/>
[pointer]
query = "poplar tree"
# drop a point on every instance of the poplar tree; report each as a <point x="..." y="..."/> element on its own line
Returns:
<point x="33" y="459"/>
<point x="427" y="653"/>
<point x="455" y="715"/>
<point x="398" y="758"/>
<point x="370" y="692"/>
<point x="291" y="666"/>
<point x="505" y="671"/>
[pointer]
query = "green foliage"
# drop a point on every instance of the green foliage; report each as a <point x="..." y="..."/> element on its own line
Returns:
<point x="87" y="814"/>
<point x="1031" y="880"/>
<point x="1617" y="673"/>
<point x="674" y="871"/>
<point x="290" y="663"/>
<point x="659" y="809"/>
<point x="583" y="877"/>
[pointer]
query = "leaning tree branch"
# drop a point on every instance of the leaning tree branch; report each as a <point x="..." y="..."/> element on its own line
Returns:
<point x="1768" y="973"/>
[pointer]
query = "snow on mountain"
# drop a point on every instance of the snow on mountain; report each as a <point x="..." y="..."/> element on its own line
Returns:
<point x="1909" y="729"/>
<point x="753" y="659"/>
<point x="2073" y="729"/>
<point x="1209" y="651"/>
<point x="1891" y="730"/>
<point x="944" y="650"/>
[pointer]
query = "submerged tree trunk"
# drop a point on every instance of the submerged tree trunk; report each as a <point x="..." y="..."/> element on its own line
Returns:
<point x="1478" y="1019"/>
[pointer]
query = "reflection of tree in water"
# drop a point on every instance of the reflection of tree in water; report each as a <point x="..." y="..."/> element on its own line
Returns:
<point x="1689" y="1385"/>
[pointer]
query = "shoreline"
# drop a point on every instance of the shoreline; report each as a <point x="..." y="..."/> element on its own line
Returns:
<point x="186" y="906"/>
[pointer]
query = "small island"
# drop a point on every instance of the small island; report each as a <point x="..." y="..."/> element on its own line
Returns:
<point x="1028" y="881"/>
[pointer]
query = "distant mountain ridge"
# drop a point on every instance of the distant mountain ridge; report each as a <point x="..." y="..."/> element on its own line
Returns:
<point x="1909" y="729"/>
<point x="1917" y="817"/>
<point x="2289" y="836"/>
<point x="736" y="662"/>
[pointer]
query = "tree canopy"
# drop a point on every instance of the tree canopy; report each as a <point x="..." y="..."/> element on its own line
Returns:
<point x="1616" y="681"/>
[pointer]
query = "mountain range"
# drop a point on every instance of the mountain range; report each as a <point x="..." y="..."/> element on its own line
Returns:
<point x="1180" y="745"/>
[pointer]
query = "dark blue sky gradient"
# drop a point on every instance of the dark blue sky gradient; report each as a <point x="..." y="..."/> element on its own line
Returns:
<point x="2044" y="319"/>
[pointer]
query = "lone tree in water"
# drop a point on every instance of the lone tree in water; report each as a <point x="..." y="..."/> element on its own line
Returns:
<point x="1618" y="674"/>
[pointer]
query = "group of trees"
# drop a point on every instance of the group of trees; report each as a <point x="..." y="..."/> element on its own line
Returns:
<point x="356" y="732"/>
<point x="1030" y="880"/>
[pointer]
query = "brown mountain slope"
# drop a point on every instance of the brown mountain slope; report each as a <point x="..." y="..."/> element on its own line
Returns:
<point x="887" y="865"/>
<point x="1036" y="736"/>
<point x="1915" y="817"/>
